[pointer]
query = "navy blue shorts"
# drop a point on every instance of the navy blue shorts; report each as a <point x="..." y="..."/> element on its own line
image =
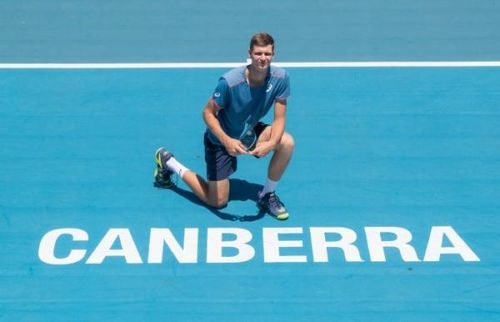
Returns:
<point x="220" y="164"/>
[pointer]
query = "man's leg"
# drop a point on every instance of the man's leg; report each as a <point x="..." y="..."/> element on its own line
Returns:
<point x="213" y="193"/>
<point x="268" y="200"/>
<point x="280" y="159"/>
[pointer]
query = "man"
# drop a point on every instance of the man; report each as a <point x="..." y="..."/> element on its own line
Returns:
<point x="242" y="97"/>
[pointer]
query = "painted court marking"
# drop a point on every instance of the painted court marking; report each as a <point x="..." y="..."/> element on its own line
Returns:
<point x="380" y="64"/>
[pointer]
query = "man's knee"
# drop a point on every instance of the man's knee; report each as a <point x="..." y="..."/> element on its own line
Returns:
<point x="287" y="142"/>
<point x="218" y="202"/>
<point x="218" y="194"/>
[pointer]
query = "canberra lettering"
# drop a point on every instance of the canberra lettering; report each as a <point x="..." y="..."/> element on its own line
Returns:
<point x="67" y="246"/>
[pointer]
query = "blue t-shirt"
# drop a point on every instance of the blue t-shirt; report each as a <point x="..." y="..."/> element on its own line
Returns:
<point x="239" y="104"/>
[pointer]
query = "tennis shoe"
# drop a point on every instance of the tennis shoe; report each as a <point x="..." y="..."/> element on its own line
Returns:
<point x="271" y="204"/>
<point x="162" y="174"/>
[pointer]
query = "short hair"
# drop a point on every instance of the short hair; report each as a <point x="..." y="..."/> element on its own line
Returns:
<point x="261" y="39"/>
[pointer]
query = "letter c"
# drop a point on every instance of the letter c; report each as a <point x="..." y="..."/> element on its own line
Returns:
<point x="48" y="244"/>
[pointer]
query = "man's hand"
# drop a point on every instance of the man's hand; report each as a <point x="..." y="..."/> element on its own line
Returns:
<point x="234" y="147"/>
<point x="263" y="148"/>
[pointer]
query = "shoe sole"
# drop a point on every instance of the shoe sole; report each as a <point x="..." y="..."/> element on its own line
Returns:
<point x="158" y="159"/>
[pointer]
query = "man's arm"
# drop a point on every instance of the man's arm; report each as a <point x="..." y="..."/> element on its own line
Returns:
<point x="234" y="147"/>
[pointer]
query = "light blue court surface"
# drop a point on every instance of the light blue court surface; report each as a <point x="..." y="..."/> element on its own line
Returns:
<point x="394" y="188"/>
<point x="408" y="148"/>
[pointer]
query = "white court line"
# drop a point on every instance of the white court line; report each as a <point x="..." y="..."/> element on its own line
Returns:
<point x="387" y="64"/>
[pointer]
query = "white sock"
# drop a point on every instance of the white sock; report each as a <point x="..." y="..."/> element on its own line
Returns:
<point x="176" y="166"/>
<point x="269" y="187"/>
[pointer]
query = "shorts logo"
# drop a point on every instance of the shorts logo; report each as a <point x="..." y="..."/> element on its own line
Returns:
<point x="216" y="94"/>
<point x="269" y="88"/>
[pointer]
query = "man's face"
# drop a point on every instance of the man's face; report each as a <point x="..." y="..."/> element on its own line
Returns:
<point x="261" y="57"/>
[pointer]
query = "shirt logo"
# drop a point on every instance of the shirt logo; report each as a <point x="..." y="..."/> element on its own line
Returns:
<point x="269" y="87"/>
<point x="216" y="94"/>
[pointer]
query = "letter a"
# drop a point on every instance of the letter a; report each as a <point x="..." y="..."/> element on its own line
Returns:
<point x="435" y="245"/>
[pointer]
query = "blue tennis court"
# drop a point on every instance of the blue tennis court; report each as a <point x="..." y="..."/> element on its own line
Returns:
<point x="393" y="190"/>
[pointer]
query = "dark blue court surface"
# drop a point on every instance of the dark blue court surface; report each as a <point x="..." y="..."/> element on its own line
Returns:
<point x="393" y="191"/>
<point x="219" y="30"/>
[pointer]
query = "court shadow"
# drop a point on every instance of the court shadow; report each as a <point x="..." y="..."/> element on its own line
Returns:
<point x="241" y="190"/>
